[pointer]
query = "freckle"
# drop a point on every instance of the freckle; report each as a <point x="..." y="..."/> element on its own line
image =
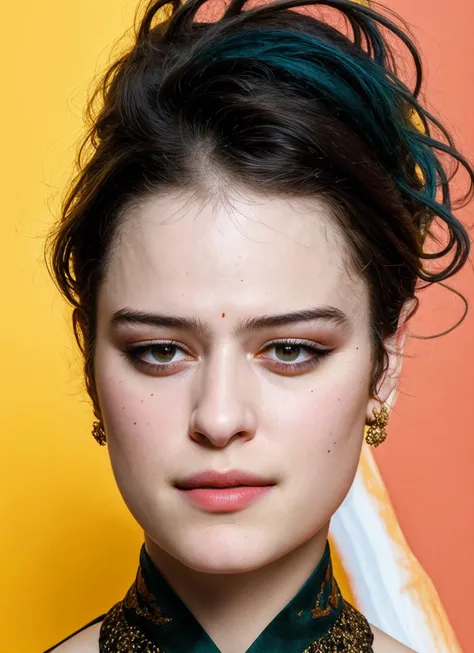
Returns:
<point x="142" y="401"/>
<point x="339" y="399"/>
<point x="241" y="280"/>
<point x="223" y="314"/>
<point x="357" y="348"/>
<point x="334" y="443"/>
<point x="329" y="450"/>
<point x="151" y="395"/>
<point x="134" y="423"/>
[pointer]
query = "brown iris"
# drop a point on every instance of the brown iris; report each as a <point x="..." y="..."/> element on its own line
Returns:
<point x="287" y="353"/>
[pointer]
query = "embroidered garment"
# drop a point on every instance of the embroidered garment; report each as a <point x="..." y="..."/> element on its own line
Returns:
<point x="153" y="619"/>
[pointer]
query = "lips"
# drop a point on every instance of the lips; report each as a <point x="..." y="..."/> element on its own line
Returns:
<point x="221" y="492"/>
<point x="216" y="479"/>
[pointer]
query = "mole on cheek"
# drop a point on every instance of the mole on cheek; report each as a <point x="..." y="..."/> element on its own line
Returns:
<point x="223" y="314"/>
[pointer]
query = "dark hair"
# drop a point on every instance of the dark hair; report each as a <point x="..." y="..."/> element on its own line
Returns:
<point x="275" y="101"/>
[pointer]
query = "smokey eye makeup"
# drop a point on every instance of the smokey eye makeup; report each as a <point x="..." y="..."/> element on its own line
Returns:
<point x="288" y="356"/>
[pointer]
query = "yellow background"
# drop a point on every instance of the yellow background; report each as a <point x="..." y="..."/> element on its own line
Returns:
<point x="69" y="546"/>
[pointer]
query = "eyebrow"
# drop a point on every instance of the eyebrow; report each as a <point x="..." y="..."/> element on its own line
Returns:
<point x="323" y="313"/>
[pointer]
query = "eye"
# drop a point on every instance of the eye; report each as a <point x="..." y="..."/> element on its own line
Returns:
<point x="158" y="357"/>
<point x="161" y="353"/>
<point x="294" y="355"/>
<point x="167" y="357"/>
<point x="289" y="353"/>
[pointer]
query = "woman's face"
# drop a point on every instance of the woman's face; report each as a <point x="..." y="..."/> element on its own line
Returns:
<point x="228" y="393"/>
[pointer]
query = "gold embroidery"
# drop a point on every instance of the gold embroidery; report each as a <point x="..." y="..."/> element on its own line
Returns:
<point x="116" y="636"/>
<point x="142" y="588"/>
<point x="333" y="599"/>
<point x="350" y="634"/>
<point x="148" y="607"/>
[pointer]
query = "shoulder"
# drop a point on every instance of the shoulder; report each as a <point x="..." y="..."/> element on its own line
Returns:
<point x="383" y="643"/>
<point x="86" y="641"/>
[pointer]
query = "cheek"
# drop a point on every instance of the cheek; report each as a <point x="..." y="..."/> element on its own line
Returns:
<point x="330" y="403"/>
<point x="320" y="427"/>
<point x="142" y="416"/>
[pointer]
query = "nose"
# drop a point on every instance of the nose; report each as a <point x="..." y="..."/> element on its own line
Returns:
<point x="224" y="401"/>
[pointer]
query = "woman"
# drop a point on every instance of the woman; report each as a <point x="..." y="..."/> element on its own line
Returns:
<point x="242" y="250"/>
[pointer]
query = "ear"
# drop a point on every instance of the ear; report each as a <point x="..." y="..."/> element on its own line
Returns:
<point x="387" y="388"/>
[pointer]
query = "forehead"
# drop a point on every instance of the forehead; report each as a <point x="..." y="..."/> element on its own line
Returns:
<point x="247" y="254"/>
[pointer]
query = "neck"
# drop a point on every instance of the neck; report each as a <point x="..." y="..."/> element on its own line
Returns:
<point x="235" y="608"/>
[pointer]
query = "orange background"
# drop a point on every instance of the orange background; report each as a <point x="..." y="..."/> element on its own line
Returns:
<point x="69" y="547"/>
<point x="428" y="460"/>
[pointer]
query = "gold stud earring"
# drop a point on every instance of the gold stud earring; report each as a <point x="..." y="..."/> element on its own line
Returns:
<point x="99" y="433"/>
<point x="377" y="432"/>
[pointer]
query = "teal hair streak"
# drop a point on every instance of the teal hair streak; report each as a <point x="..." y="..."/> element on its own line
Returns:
<point x="360" y="91"/>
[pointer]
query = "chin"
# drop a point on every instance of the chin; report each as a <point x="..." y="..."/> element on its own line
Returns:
<point x="223" y="550"/>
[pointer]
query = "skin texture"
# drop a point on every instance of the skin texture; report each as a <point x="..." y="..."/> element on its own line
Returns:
<point x="228" y="399"/>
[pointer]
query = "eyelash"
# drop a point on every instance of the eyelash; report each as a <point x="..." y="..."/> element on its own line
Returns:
<point x="133" y="355"/>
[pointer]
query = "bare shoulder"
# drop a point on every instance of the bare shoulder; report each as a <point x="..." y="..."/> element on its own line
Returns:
<point x="383" y="643"/>
<point x="87" y="641"/>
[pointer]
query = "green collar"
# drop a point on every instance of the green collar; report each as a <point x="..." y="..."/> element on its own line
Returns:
<point x="152" y="618"/>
